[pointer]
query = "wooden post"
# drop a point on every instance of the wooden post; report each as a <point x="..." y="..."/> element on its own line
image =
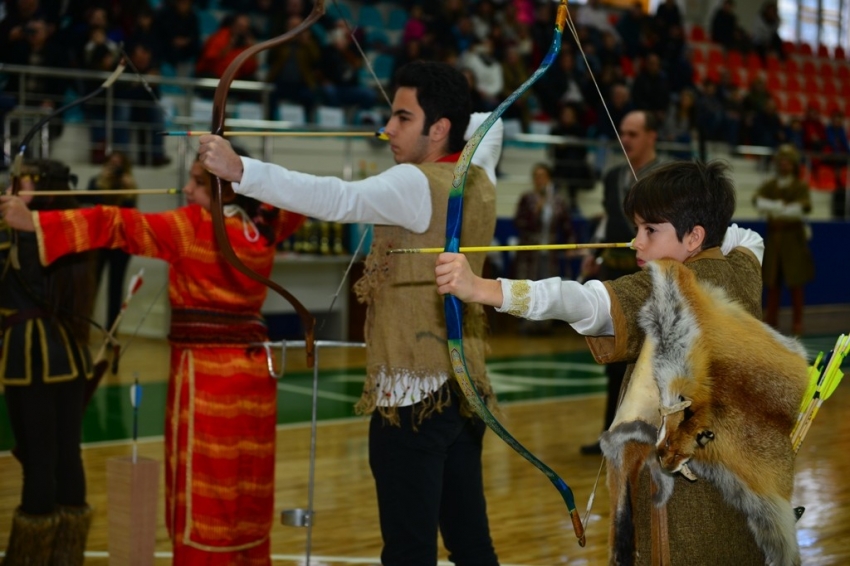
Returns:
<point x="133" y="494"/>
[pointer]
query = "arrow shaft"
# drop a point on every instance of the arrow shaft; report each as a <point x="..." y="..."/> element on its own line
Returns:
<point x="520" y="248"/>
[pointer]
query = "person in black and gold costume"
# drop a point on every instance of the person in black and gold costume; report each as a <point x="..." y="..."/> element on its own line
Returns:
<point x="44" y="368"/>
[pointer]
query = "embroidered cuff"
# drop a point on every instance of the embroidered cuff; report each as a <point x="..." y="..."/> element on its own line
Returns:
<point x="516" y="297"/>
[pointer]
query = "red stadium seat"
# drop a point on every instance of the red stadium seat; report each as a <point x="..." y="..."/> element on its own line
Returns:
<point x="789" y="47"/>
<point x="804" y="49"/>
<point x="734" y="59"/>
<point x="792" y="83"/>
<point x="834" y="104"/>
<point x="809" y="67"/>
<point x="823" y="51"/>
<point x="843" y="71"/>
<point x="775" y="82"/>
<point x="754" y="62"/>
<point x="791" y="66"/>
<point x="829" y="86"/>
<point x="793" y="105"/>
<point x="826" y="69"/>
<point x="697" y="34"/>
<point x="814" y="104"/>
<point x="839" y="54"/>
<point x="697" y="55"/>
<point x="715" y="57"/>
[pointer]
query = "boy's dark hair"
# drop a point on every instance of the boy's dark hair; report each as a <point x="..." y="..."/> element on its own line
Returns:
<point x="443" y="92"/>
<point x="686" y="194"/>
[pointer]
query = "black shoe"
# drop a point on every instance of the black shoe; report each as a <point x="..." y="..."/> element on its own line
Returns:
<point x="591" y="450"/>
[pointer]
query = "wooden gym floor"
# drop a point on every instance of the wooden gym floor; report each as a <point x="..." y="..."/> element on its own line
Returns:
<point x="552" y="399"/>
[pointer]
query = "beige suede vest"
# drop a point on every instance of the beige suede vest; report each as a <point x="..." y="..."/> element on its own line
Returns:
<point x="405" y="323"/>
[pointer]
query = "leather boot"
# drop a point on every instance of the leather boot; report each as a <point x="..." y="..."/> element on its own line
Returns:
<point x="69" y="545"/>
<point x="31" y="539"/>
<point x="798" y="303"/>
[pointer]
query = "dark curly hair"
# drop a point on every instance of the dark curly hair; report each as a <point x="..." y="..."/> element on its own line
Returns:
<point x="686" y="194"/>
<point x="443" y="92"/>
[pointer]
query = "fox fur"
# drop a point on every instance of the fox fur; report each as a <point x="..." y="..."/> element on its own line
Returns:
<point x="714" y="395"/>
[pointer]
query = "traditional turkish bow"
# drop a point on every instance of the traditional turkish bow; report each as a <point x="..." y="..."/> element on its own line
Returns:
<point x="454" y="307"/>
<point x="217" y="202"/>
<point x="18" y="163"/>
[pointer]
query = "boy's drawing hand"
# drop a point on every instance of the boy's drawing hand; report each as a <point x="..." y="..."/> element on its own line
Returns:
<point x="454" y="276"/>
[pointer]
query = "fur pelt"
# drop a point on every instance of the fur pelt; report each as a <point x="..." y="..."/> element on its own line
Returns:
<point x="714" y="395"/>
<point x="31" y="539"/>
<point x="70" y="544"/>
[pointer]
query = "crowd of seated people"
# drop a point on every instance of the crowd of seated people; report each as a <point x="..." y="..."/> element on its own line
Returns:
<point x="706" y="86"/>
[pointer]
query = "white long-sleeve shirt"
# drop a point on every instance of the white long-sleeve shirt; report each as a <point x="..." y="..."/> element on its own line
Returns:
<point x="587" y="307"/>
<point x="400" y="196"/>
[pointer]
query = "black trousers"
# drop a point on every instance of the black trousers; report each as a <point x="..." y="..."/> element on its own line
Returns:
<point x="427" y="479"/>
<point x="47" y="421"/>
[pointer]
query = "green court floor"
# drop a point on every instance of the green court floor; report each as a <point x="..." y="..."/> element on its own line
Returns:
<point x="110" y="415"/>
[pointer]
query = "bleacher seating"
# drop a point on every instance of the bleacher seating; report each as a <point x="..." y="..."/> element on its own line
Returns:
<point x="397" y="19"/>
<point x="369" y="18"/>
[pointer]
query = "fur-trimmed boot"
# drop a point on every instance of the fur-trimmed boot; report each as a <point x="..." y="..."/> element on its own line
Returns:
<point x="69" y="546"/>
<point x="31" y="539"/>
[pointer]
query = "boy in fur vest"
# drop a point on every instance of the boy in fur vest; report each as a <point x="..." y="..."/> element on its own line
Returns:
<point x="424" y="442"/>
<point x="681" y="211"/>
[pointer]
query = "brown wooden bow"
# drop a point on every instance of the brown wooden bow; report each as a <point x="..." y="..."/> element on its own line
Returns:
<point x="217" y="202"/>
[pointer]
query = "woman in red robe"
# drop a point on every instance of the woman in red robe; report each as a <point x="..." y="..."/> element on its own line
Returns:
<point x="221" y="413"/>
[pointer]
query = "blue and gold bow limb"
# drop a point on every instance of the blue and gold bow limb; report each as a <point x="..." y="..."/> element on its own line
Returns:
<point x="454" y="307"/>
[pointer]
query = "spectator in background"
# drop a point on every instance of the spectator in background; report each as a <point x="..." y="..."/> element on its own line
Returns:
<point x="836" y="143"/>
<point x="630" y="29"/>
<point x="753" y="103"/>
<point x="463" y="35"/>
<point x="619" y="105"/>
<point x="679" y="124"/>
<point x="232" y="38"/>
<point x="814" y="131"/>
<point x="341" y="64"/>
<point x="38" y="49"/>
<point x="651" y="89"/>
<point x="179" y="32"/>
<point x="134" y="104"/>
<point x="724" y="25"/>
<point x="562" y="84"/>
<point x="489" y="78"/>
<point x="768" y="129"/>
<point x="292" y="69"/>
<point x="680" y="73"/>
<point x="515" y="73"/>
<point x="668" y="17"/>
<point x="784" y="199"/>
<point x="570" y="166"/>
<point x="415" y="27"/>
<point x="542" y="217"/>
<point x="20" y="13"/>
<point x="144" y="33"/>
<point x="794" y="134"/>
<point x="610" y="51"/>
<point x="483" y="19"/>
<point x="765" y="32"/>
<point x="594" y="17"/>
